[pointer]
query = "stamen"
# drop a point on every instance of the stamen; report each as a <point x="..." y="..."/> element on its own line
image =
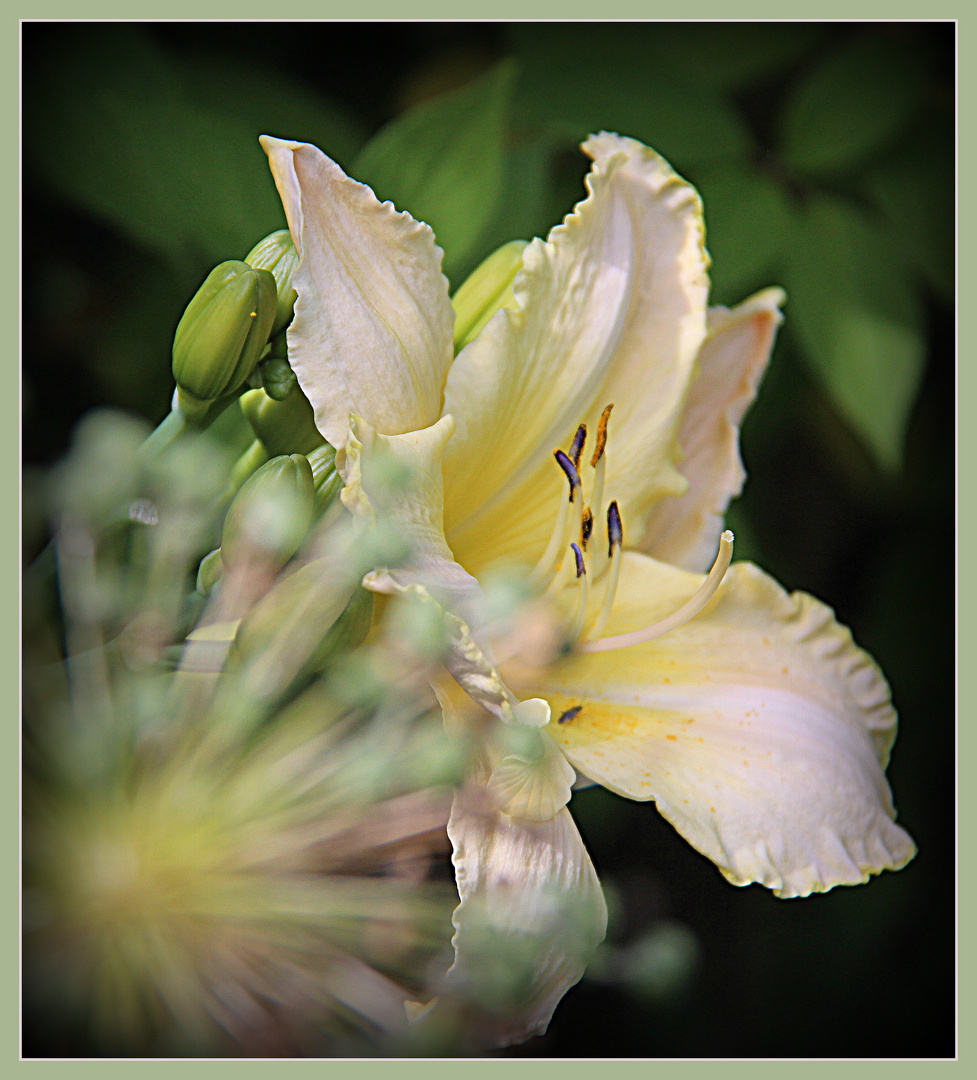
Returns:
<point x="687" y="611"/>
<point x="568" y="714"/>
<point x="576" y="447"/>
<point x="586" y="527"/>
<point x="615" y="538"/>
<point x="581" y="611"/>
<point x="561" y="530"/>
<point x="601" y="436"/>
<point x="571" y="471"/>
<point x="615" y="530"/>
<point x="599" y="460"/>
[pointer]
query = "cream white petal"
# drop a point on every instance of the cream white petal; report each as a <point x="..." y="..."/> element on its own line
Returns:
<point x="612" y="307"/>
<point x="530" y="917"/>
<point x="396" y="481"/>
<point x="372" y="332"/>
<point x="685" y="530"/>
<point x="759" y="728"/>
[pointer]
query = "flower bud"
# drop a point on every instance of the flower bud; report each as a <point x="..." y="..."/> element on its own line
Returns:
<point x="249" y="462"/>
<point x="277" y="254"/>
<point x="222" y="333"/>
<point x="211" y="570"/>
<point x="284" y="427"/>
<point x="487" y="288"/>
<point x="326" y="482"/>
<point x="271" y="514"/>
<point x="277" y="378"/>
<point x="346" y="633"/>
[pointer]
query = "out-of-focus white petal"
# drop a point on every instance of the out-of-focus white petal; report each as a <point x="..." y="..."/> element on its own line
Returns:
<point x="759" y="728"/>
<point x="531" y="915"/>
<point x="612" y="307"/>
<point x="372" y="332"/>
<point x="685" y="530"/>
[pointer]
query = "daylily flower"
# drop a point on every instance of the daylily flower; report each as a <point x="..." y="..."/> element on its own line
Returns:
<point x="748" y="715"/>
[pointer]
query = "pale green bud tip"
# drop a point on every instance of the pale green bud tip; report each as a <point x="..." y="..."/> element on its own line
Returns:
<point x="277" y="378"/>
<point x="222" y="332"/>
<point x="271" y="514"/>
<point x="210" y="572"/>
<point x="326" y="481"/>
<point x="486" y="290"/>
<point x="277" y="254"/>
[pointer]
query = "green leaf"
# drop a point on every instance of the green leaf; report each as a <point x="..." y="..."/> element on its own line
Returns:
<point x="542" y="180"/>
<point x="852" y="103"/>
<point x="271" y="104"/>
<point x="914" y="189"/>
<point x="610" y="79"/>
<point x="856" y="313"/>
<point x="734" y="55"/>
<point x="109" y="126"/>
<point x="575" y="83"/>
<point x="748" y="228"/>
<point x="442" y="161"/>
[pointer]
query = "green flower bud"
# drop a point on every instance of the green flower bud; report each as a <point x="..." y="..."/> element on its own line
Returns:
<point x="347" y="632"/>
<point x="487" y="289"/>
<point x="271" y="513"/>
<point x="284" y="427"/>
<point x="222" y="333"/>
<point x="210" y="572"/>
<point x="278" y="347"/>
<point x="277" y="254"/>
<point x="251" y="460"/>
<point x="277" y="378"/>
<point x="326" y="482"/>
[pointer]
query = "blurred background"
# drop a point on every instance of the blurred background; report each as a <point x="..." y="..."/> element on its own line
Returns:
<point x="825" y="155"/>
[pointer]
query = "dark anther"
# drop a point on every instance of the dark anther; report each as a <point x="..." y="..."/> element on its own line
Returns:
<point x="570" y="469"/>
<point x="615" y="534"/>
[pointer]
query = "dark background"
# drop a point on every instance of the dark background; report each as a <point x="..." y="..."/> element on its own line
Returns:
<point x="825" y="156"/>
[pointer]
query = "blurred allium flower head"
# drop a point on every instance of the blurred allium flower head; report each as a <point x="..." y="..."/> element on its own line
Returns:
<point x="219" y="858"/>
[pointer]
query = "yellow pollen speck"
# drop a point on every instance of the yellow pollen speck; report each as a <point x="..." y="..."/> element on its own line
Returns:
<point x="671" y="738"/>
<point x="253" y="314"/>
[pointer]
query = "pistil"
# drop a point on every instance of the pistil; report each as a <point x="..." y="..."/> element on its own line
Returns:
<point x="685" y="613"/>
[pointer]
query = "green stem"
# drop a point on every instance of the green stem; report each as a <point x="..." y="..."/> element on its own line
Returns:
<point x="165" y="435"/>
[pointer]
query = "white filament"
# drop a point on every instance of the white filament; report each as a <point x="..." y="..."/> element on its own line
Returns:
<point x="605" y="610"/>
<point x="580" y="612"/>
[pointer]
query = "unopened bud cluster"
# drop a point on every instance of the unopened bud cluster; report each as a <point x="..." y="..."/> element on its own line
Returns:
<point x="227" y="326"/>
